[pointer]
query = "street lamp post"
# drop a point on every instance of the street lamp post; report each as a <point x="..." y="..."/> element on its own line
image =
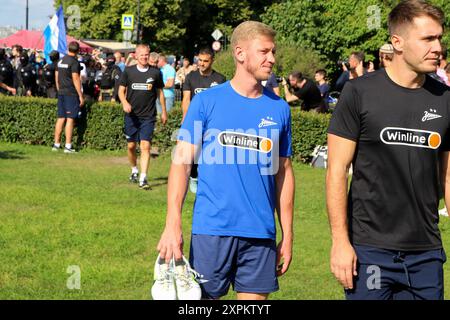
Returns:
<point x="138" y="36"/>
<point x="26" y="17"/>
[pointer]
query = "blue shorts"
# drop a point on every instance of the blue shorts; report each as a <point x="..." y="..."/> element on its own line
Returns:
<point x="248" y="264"/>
<point x="68" y="106"/>
<point x="398" y="275"/>
<point x="137" y="129"/>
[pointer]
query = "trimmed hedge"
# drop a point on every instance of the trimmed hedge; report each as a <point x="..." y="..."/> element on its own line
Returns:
<point x="32" y="121"/>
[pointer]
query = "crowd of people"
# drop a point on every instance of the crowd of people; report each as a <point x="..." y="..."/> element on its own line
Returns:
<point x="28" y="73"/>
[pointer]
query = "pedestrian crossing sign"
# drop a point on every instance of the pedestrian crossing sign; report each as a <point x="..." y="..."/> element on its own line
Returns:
<point x="127" y="21"/>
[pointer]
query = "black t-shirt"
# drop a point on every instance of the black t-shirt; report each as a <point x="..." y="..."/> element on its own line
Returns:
<point x="66" y="66"/>
<point x="310" y="95"/>
<point x="394" y="195"/>
<point x="196" y="83"/>
<point x="6" y="74"/>
<point x="142" y="90"/>
<point x="48" y="75"/>
<point x="27" y="76"/>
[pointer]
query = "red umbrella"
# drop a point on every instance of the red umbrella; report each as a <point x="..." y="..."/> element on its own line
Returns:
<point x="35" y="40"/>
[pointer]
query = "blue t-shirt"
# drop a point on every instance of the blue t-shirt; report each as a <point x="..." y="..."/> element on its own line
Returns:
<point x="168" y="72"/>
<point x="241" y="140"/>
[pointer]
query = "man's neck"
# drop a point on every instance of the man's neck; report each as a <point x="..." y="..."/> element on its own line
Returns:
<point x="246" y="85"/>
<point x="321" y="82"/>
<point x="301" y="83"/>
<point x="401" y="74"/>
<point x="205" y="73"/>
<point x="71" y="54"/>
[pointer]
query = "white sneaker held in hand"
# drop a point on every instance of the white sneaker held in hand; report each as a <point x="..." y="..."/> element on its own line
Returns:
<point x="164" y="286"/>
<point x="185" y="281"/>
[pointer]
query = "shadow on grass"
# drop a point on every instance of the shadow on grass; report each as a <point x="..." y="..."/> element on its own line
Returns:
<point x="160" y="181"/>
<point x="12" y="155"/>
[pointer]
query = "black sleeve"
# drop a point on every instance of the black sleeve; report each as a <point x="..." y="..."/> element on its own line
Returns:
<point x="124" y="78"/>
<point x="346" y="121"/>
<point x="75" y="67"/>
<point x="187" y="83"/>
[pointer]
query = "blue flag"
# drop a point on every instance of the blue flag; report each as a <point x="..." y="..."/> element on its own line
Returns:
<point x="55" y="35"/>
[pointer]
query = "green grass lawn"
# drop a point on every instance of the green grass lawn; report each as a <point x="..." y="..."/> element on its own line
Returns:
<point x="60" y="210"/>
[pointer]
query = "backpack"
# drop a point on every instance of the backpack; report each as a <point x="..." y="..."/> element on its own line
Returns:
<point x="28" y="75"/>
<point x="48" y="74"/>
<point x="6" y="70"/>
<point x="109" y="77"/>
<point x="320" y="157"/>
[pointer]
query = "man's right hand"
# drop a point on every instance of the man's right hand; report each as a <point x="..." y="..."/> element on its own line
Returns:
<point x="12" y="90"/>
<point x="81" y="101"/>
<point x="343" y="263"/>
<point x="127" y="107"/>
<point x="171" y="244"/>
<point x="344" y="67"/>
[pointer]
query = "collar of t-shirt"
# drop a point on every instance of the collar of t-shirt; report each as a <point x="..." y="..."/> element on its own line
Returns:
<point x="142" y="69"/>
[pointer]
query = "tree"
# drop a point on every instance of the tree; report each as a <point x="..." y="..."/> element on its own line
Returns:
<point x="334" y="28"/>
<point x="175" y="26"/>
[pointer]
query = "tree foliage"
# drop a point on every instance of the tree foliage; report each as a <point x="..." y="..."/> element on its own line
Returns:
<point x="176" y="26"/>
<point x="335" y="28"/>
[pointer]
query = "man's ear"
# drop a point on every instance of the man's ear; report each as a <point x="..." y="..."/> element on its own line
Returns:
<point x="398" y="42"/>
<point x="239" y="53"/>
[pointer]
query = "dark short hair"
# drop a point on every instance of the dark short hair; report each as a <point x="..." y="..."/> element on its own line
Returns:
<point x="18" y="47"/>
<point x="322" y="72"/>
<point x="206" y="50"/>
<point x="297" y="75"/>
<point x="54" y="56"/>
<point x="2" y="53"/>
<point x="74" y="47"/>
<point x="359" y="55"/>
<point x="406" y="11"/>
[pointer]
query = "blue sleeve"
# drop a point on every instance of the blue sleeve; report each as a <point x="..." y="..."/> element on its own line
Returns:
<point x="286" y="136"/>
<point x="343" y="78"/>
<point x="194" y="123"/>
<point x="171" y="73"/>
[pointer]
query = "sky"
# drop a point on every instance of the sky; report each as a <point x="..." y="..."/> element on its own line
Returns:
<point x="12" y="13"/>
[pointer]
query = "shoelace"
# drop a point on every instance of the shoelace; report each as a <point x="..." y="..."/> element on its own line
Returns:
<point x="188" y="277"/>
<point x="166" y="278"/>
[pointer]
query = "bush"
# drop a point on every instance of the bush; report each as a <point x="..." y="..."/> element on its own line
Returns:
<point x="308" y="131"/>
<point x="32" y="121"/>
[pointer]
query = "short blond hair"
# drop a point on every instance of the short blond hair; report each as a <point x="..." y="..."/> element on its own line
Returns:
<point x="250" y="30"/>
<point x="143" y="46"/>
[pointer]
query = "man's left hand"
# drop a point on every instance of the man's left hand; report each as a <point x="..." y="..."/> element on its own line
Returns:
<point x="164" y="118"/>
<point x="284" y="251"/>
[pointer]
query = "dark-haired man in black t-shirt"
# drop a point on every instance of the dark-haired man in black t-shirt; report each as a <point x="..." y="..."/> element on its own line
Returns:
<point x="393" y="126"/>
<point x="70" y="96"/>
<point x="139" y="87"/>
<point x="306" y="90"/>
<point x="197" y="81"/>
